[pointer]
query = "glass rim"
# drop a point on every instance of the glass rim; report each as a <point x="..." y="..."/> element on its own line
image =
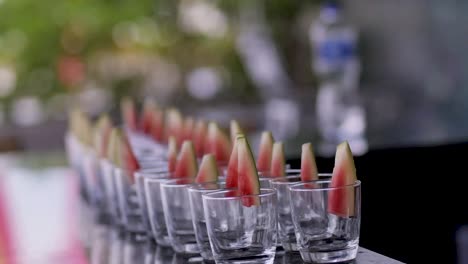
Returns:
<point x="295" y="187"/>
<point x="193" y="187"/>
<point x="278" y="181"/>
<point x="152" y="173"/>
<point x="153" y="180"/>
<point x="172" y="183"/>
<point x="264" y="192"/>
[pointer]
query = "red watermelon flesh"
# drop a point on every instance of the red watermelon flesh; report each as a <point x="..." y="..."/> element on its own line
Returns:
<point x="157" y="126"/>
<point x="186" y="166"/>
<point x="278" y="163"/>
<point x="218" y="144"/>
<point x="199" y="135"/>
<point x="235" y="129"/>
<point x="208" y="171"/>
<point x="172" y="154"/>
<point x="130" y="162"/>
<point x="308" y="166"/>
<point x="265" y="152"/>
<point x="129" y="113"/>
<point x="248" y="181"/>
<point x="232" y="175"/>
<point x="147" y="116"/>
<point x="341" y="200"/>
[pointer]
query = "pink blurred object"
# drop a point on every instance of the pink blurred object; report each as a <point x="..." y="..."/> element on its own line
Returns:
<point x="6" y="241"/>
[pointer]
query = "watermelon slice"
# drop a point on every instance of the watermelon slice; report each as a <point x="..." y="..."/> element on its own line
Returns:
<point x="172" y="154"/>
<point x="102" y="131"/>
<point x="83" y="128"/>
<point x="232" y="175"/>
<point x="127" y="109"/>
<point x="199" y="135"/>
<point x="278" y="163"/>
<point x="175" y="125"/>
<point x="235" y="129"/>
<point x="208" y="170"/>
<point x="341" y="201"/>
<point x="265" y="151"/>
<point x="218" y="144"/>
<point x="129" y="163"/>
<point x="147" y="116"/>
<point x="309" y="170"/>
<point x="189" y="125"/>
<point x="113" y="150"/>
<point x="248" y="182"/>
<point x="186" y="166"/>
<point x="157" y="125"/>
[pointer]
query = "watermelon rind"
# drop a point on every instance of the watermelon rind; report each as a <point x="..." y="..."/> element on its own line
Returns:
<point x="278" y="163"/>
<point x="235" y="129"/>
<point x="172" y="154"/>
<point x="309" y="170"/>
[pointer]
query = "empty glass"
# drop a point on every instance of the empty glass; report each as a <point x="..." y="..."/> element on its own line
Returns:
<point x="286" y="234"/>
<point x="141" y="193"/>
<point x="178" y="216"/>
<point x="110" y="192"/>
<point x="129" y="206"/>
<point x="152" y="189"/>
<point x="326" y="220"/>
<point x="241" y="234"/>
<point x="198" y="217"/>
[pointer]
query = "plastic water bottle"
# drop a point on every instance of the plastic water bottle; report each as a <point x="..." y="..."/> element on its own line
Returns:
<point x="335" y="61"/>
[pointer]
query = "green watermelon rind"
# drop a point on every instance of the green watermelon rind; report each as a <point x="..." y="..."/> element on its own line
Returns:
<point x="235" y="129"/>
<point x="307" y="156"/>
<point x="278" y="160"/>
<point x="172" y="153"/>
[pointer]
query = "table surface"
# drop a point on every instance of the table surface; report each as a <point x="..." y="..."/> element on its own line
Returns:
<point x="107" y="246"/>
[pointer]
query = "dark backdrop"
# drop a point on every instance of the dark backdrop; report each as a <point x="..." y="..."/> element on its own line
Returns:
<point x="413" y="200"/>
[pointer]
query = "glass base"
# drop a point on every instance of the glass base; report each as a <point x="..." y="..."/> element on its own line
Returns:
<point x="264" y="259"/>
<point x="163" y="241"/>
<point x="330" y="256"/>
<point x="186" y="249"/>
<point x="290" y="247"/>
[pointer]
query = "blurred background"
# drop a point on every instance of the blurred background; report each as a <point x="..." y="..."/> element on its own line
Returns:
<point x="378" y="74"/>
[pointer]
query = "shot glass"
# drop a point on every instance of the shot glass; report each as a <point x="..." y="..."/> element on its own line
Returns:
<point x="286" y="234"/>
<point x="96" y="186"/>
<point x="198" y="216"/>
<point x="178" y="216"/>
<point x="110" y="192"/>
<point x="152" y="189"/>
<point x="89" y="169"/>
<point x="141" y="193"/>
<point x="326" y="220"/>
<point x="130" y="211"/>
<point x="238" y="233"/>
